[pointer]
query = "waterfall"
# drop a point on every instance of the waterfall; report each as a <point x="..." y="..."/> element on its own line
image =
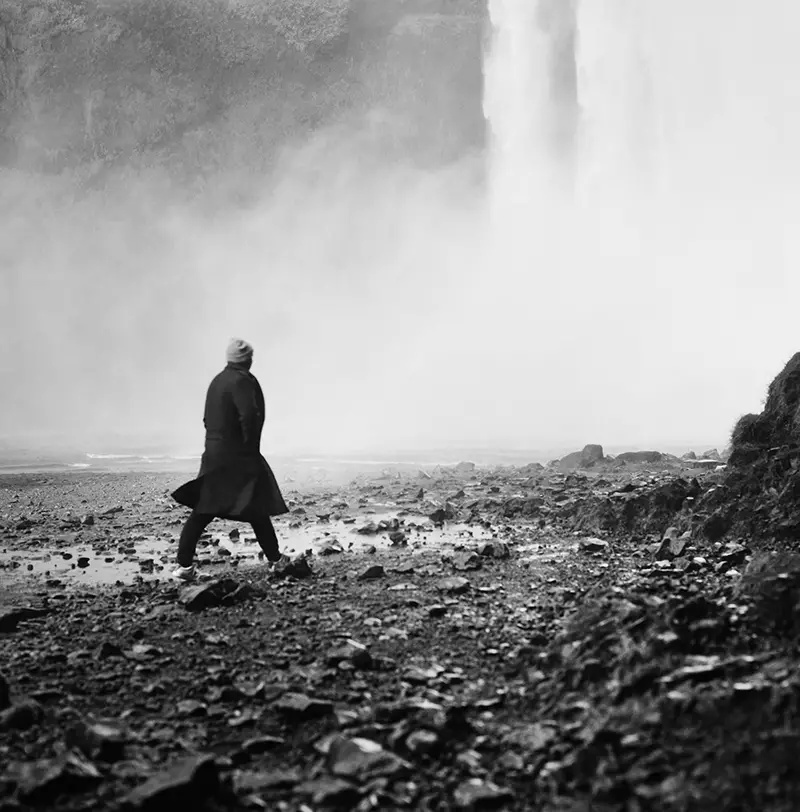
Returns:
<point x="643" y="162"/>
<point x="679" y="130"/>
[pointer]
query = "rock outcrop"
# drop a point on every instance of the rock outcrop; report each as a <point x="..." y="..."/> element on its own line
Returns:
<point x="760" y="495"/>
<point x="779" y="423"/>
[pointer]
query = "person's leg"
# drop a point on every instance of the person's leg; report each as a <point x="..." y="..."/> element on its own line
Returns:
<point x="266" y="537"/>
<point x="190" y="535"/>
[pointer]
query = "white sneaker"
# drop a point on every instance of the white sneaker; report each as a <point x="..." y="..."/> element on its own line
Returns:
<point x="281" y="562"/>
<point x="183" y="573"/>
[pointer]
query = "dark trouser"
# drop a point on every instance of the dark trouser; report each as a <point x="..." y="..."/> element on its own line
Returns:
<point x="197" y="523"/>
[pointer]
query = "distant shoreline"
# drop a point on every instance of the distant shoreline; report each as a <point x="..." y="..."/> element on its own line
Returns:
<point x="16" y="461"/>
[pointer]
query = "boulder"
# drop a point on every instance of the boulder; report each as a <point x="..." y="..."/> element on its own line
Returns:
<point x="591" y="455"/>
<point x="570" y="462"/>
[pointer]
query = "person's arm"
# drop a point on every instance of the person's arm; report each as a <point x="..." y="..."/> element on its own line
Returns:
<point x="244" y="399"/>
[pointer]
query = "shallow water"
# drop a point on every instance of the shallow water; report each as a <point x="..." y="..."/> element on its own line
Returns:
<point x="153" y="558"/>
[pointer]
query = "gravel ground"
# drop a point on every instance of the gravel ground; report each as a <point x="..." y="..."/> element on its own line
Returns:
<point x="502" y="660"/>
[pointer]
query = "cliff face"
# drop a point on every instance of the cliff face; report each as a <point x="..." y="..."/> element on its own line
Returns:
<point x="198" y="86"/>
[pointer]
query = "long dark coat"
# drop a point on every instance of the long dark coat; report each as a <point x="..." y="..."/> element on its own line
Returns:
<point x="235" y="481"/>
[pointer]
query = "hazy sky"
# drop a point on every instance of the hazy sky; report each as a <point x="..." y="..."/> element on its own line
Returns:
<point x="399" y="307"/>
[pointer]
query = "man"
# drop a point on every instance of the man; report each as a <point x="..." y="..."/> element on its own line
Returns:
<point x="235" y="481"/>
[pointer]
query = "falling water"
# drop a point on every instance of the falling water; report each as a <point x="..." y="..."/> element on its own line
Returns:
<point x="663" y="180"/>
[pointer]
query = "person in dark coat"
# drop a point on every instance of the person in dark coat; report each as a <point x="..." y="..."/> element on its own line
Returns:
<point x="235" y="481"/>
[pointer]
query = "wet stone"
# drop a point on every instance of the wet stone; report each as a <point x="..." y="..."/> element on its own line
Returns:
<point x="11" y="617"/>
<point x="192" y="708"/>
<point x="593" y="545"/>
<point x="372" y="573"/>
<point x="297" y="567"/>
<point x="262" y="744"/>
<point x="40" y="783"/>
<point x="21" y="715"/>
<point x="100" y="741"/>
<point x="477" y="794"/>
<point x="422" y="741"/>
<point x="107" y="649"/>
<point x="494" y="549"/>
<point x="330" y="793"/>
<point x="467" y="561"/>
<point x="362" y="759"/>
<point x="188" y="784"/>
<point x="351" y="651"/>
<point x="206" y="596"/>
<point x="300" y="706"/>
<point x="266" y="780"/>
<point x="456" y="585"/>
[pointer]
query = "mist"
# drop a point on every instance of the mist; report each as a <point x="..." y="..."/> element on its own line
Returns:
<point x="641" y="292"/>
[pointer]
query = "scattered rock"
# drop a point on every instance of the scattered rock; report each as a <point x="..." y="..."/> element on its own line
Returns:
<point x="266" y="780"/>
<point x="494" y="549"/>
<point x="330" y="793"/>
<point x="455" y="585"/>
<point x="262" y="744"/>
<point x="478" y="794"/>
<point x="41" y="782"/>
<point x="467" y="561"/>
<point x="362" y="760"/>
<point x="205" y="596"/>
<point x="192" y="708"/>
<point x="372" y="573"/>
<point x="11" y="617"/>
<point x="297" y="567"/>
<point x="673" y="545"/>
<point x="593" y="545"/>
<point x="300" y="706"/>
<point x="21" y="715"/>
<point x="444" y="514"/>
<point x="351" y="652"/>
<point x="99" y="741"/>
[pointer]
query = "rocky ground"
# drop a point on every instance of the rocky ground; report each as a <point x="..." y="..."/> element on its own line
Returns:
<point x="509" y="638"/>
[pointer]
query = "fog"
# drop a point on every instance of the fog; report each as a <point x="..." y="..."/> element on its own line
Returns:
<point x="641" y="292"/>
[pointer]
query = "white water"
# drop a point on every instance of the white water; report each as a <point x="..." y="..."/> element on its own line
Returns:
<point x="674" y="232"/>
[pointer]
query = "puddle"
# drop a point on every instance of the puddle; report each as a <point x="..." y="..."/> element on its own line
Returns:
<point x="110" y="561"/>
